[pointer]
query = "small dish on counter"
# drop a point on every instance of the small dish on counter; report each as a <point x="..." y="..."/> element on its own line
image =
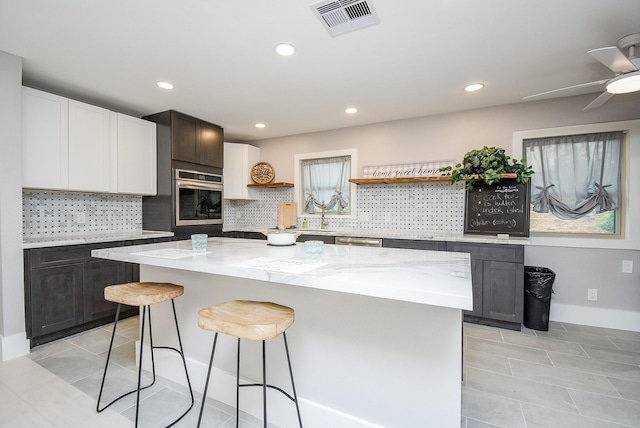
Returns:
<point x="281" y="237"/>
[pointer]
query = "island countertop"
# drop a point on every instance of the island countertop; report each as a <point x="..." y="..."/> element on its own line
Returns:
<point x="417" y="276"/>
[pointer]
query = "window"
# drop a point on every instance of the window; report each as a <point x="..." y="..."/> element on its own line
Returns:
<point x="323" y="182"/>
<point x="576" y="188"/>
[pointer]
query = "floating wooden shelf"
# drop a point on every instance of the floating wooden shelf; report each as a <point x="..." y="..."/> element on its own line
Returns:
<point x="401" y="180"/>
<point x="278" y="184"/>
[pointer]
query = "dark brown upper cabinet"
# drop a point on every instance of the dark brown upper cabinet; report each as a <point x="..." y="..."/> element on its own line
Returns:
<point x="192" y="140"/>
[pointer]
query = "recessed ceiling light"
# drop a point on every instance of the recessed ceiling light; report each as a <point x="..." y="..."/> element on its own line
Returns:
<point x="260" y="125"/>
<point x="285" y="49"/>
<point x="474" y="87"/>
<point x="351" y="110"/>
<point x="165" y="85"/>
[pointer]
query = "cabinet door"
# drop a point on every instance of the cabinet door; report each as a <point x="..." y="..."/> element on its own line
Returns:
<point x="210" y="145"/>
<point x="136" y="166"/>
<point x="92" y="147"/>
<point x="503" y="291"/>
<point x="45" y="135"/>
<point x="56" y="299"/>
<point x="238" y="160"/>
<point x="97" y="275"/>
<point x="184" y="137"/>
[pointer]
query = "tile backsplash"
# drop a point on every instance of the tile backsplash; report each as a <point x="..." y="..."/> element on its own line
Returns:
<point x="51" y="213"/>
<point x="399" y="207"/>
<point x="412" y="207"/>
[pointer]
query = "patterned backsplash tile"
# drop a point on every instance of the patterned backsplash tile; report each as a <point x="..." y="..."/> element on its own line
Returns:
<point x="401" y="207"/>
<point x="50" y="213"/>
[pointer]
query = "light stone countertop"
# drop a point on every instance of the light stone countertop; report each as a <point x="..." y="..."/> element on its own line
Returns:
<point x="394" y="234"/>
<point x="60" y="240"/>
<point x="426" y="277"/>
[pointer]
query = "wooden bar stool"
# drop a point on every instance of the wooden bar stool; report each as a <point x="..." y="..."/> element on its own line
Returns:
<point x="144" y="294"/>
<point x="250" y="320"/>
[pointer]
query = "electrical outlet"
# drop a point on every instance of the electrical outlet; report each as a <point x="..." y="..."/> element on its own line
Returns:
<point x="627" y="266"/>
<point x="592" y="294"/>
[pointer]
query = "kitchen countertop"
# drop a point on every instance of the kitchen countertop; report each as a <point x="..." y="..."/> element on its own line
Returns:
<point x="60" y="240"/>
<point x="394" y="234"/>
<point x="426" y="277"/>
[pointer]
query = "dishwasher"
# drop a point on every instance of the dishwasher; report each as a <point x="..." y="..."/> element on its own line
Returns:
<point x="360" y="242"/>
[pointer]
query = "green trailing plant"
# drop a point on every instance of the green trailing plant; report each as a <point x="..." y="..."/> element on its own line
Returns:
<point x="486" y="165"/>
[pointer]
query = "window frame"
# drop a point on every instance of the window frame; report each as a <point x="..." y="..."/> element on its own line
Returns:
<point x="297" y="181"/>
<point x="630" y="207"/>
<point x="619" y="211"/>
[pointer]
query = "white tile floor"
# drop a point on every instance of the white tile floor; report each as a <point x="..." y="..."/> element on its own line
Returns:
<point x="570" y="376"/>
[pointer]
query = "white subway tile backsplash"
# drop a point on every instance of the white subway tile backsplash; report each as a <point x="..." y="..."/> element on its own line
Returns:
<point x="50" y="213"/>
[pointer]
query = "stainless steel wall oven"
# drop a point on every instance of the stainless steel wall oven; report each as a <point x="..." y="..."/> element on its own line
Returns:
<point x="198" y="198"/>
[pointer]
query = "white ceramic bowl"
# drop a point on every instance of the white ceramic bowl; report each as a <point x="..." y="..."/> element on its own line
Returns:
<point x="277" y="237"/>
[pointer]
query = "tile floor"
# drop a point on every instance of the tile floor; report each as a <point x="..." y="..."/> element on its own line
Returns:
<point x="570" y="376"/>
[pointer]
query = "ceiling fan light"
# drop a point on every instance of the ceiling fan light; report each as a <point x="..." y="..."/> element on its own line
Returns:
<point x="625" y="83"/>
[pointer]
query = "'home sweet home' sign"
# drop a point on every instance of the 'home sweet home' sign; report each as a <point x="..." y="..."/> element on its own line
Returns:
<point x="424" y="169"/>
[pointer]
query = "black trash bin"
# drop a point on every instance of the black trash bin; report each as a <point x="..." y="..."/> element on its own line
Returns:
<point x="538" y="282"/>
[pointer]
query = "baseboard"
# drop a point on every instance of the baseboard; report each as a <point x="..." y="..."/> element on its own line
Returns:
<point x="14" y="346"/>
<point x="222" y="387"/>
<point x="596" y="317"/>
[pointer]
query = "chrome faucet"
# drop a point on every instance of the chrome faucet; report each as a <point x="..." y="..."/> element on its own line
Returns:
<point x="323" y="221"/>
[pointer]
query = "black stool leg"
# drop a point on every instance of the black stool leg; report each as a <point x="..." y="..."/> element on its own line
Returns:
<point x="206" y="384"/>
<point x="264" y="383"/>
<point x="144" y="313"/>
<point x="238" y="387"/>
<point x="104" y="376"/>
<point x="184" y="363"/>
<point x="106" y="366"/>
<point x="293" y="386"/>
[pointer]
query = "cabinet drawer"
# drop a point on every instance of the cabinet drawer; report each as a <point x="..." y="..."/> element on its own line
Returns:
<point x="497" y="252"/>
<point x="52" y="256"/>
<point x="324" y="238"/>
<point x="415" y="244"/>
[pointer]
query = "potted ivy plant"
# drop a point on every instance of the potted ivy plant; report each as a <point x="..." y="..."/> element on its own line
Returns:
<point x="486" y="165"/>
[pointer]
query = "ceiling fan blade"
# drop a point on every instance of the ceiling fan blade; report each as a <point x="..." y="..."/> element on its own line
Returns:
<point x="602" y="98"/>
<point x="613" y="58"/>
<point x="581" y="85"/>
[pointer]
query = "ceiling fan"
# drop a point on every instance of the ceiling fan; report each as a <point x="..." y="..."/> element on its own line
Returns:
<point x="626" y="67"/>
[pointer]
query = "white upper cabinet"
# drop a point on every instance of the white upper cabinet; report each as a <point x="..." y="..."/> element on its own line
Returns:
<point x="44" y="140"/>
<point x="69" y="145"/>
<point x="136" y="156"/>
<point x="238" y="160"/>
<point x="92" y="145"/>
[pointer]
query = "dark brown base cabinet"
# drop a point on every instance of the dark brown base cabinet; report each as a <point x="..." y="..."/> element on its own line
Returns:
<point x="497" y="273"/>
<point x="64" y="289"/>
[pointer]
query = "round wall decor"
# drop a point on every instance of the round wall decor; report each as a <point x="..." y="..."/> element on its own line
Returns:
<point x="262" y="173"/>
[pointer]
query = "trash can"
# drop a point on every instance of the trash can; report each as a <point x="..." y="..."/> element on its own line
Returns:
<point x="538" y="282"/>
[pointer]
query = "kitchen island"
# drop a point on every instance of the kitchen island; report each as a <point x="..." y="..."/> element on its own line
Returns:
<point x="377" y="339"/>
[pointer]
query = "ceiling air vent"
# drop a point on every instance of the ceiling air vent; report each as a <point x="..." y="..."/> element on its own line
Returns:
<point x="342" y="16"/>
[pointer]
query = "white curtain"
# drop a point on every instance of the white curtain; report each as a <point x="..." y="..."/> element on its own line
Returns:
<point x="576" y="174"/>
<point x="326" y="184"/>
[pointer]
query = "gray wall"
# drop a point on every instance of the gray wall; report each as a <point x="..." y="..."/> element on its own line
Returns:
<point x="12" y="329"/>
<point x="449" y="136"/>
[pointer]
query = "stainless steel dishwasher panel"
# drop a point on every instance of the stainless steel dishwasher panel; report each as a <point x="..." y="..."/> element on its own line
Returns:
<point x="362" y="242"/>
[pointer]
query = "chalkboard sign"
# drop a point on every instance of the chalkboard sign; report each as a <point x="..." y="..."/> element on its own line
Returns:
<point x="498" y="208"/>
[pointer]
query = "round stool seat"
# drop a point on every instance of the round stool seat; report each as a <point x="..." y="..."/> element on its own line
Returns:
<point x="142" y="293"/>
<point x="246" y="319"/>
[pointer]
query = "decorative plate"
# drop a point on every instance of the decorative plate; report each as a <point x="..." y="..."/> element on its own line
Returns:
<point x="262" y="173"/>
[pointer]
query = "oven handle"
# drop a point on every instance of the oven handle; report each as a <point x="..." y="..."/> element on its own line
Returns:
<point x="198" y="186"/>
